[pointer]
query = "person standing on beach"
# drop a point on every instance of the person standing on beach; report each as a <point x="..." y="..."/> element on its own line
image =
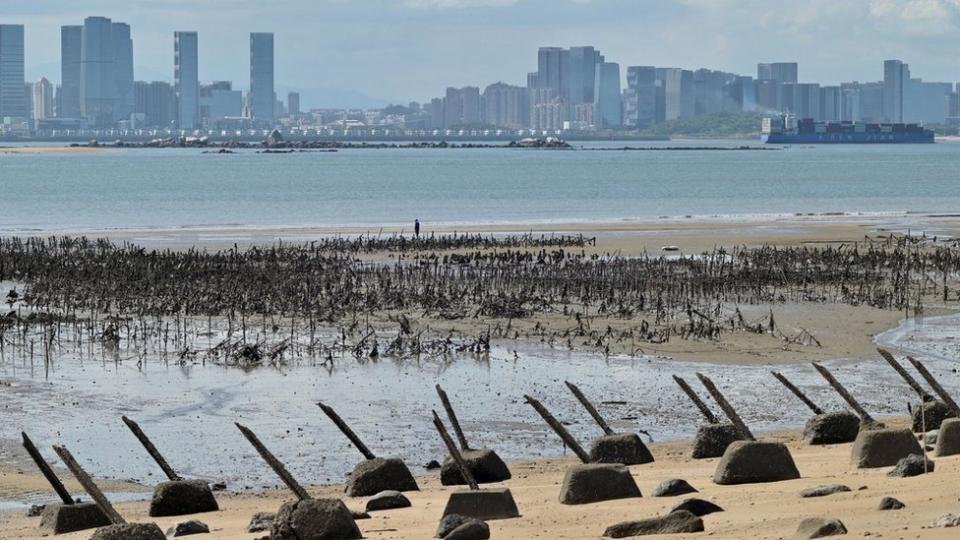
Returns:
<point x="416" y="227"/>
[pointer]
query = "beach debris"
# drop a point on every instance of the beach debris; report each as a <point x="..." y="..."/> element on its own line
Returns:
<point x="451" y="522"/>
<point x="831" y="428"/>
<point x="883" y="447"/>
<point x="704" y="409"/>
<point x="866" y="421"/>
<point x="726" y="407"/>
<point x="712" y="440"/>
<point x="823" y="491"/>
<point x="672" y="488"/>
<point x="820" y="527"/>
<point x="187" y="528"/>
<point x="948" y="438"/>
<point x="387" y="500"/>
<point x="625" y="448"/>
<point x="150" y="448"/>
<point x="946" y="521"/>
<point x="314" y="519"/>
<point x="750" y="462"/>
<point x="558" y="428"/>
<point x="261" y="521"/>
<point x="912" y="465"/>
<point x="484" y="464"/>
<point x="89" y="485"/>
<point x="35" y="510"/>
<point x="182" y="497"/>
<point x="306" y="517"/>
<point x="931" y="413"/>
<point x="594" y="482"/>
<point x="70" y="516"/>
<point x="481" y="504"/>
<point x="932" y="381"/>
<point x="890" y="503"/>
<point x="930" y="438"/>
<point x="697" y="507"/>
<point x="45" y="469"/>
<point x="129" y="531"/>
<point x="673" y="523"/>
<point x="67" y="518"/>
<point x="374" y="474"/>
<point x="471" y="530"/>
<point x="357" y="515"/>
<point x="797" y="392"/>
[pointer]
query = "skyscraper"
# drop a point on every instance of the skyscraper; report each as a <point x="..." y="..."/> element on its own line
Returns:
<point x="293" y="103"/>
<point x="640" y="98"/>
<point x="71" y="46"/>
<point x="98" y="88"/>
<point x="156" y="102"/>
<point x="122" y="71"/>
<point x="186" y="79"/>
<point x="262" y="97"/>
<point x="896" y="75"/>
<point x="606" y="96"/>
<point x="13" y="98"/>
<point x="505" y="106"/>
<point x="770" y="81"/>
<point x="785" y="72"/>
<point x="679" y="98"/>
<point x="42" y="99"/>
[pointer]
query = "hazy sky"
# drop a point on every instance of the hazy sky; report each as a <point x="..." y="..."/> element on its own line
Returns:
<point x="340" y="51"/>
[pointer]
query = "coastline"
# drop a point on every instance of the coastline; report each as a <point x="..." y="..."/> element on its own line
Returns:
<point x="750" y="511"/>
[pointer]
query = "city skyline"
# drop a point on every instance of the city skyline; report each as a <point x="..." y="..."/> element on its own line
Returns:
<point x="369" y="59"/>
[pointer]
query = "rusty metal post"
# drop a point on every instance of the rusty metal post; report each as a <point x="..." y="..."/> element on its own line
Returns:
<point x="589" y="407"/>
<point x="454" y="452"/>
<point x="89" y="485"/>
<point x="345" y="429"/>
<point x="704" y="410"/>
<point x="559" y="429"/>
<point x="274" y="463"/>
<point x="453" y="418"/>
<point x="725" y="405"/>
<point x="151" y="449"/>
<point x="797" y="392"/>
<point x="48" y="473"/>
<point x="864" y="415"/>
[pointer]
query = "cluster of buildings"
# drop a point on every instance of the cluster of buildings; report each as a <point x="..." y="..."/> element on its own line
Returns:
<point x="578" y="89"/>
<point x="573" y="88"/>
<point x="98" y="89"/>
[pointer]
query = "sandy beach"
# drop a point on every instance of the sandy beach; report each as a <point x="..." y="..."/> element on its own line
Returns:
<point x="767" y="511"/>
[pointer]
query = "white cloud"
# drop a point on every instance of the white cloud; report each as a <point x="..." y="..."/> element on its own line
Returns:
<point x="917" y="17"/>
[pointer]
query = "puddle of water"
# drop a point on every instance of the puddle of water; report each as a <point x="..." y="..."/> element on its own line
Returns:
<point x="189" y="411"/>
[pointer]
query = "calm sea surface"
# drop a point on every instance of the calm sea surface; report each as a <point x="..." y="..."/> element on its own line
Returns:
<point x="369" y="188"/>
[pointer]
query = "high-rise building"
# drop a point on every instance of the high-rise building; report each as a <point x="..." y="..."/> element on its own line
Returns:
<point x="122" y="70"/>
<point x="580" y="76"/>
<point x="471" y="105"/>
<point x="262" y="97"/>
<point x="925" y="102"/>
<point x="186" y="75"/>
<point x="14" y="102"/>
<point x="607" y="111"/>
<point x="156" y="101"/>
<point x="678" y="92"/>
<point x="806" y="100"/>
<point x="505" y="105"/>
<point x="830" y="104"/>
<point x="785" y="72"/>
<point x="551" y="64"/>
<point x="452" y="108"/>
<point x="640" y="97"/>
<point x="436" y="112"/>
<point x="42" y="99"/>
<point x="896" y="75"/>
<point x="293" y="103"/>
<point x="871" y="102"/>
<point x="71" y="48"/>
<point x="218" y="101"/>
<point x="98" y="86"/>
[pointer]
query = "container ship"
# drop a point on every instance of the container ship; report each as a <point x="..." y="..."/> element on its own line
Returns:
<point x="787" y="130"/>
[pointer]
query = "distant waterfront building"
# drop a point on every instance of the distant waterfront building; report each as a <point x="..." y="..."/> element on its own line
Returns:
<point x="219" y="101"/>
<point x="896" y="75"/>
<point x="156" y="101"/>
<point x="506" y="106"/>
<point x="293" y="103"/>
<point x="771" y="78"/>
<point x="262" y="96"/>
<point x="98" y="87"/>
<point x="678" y="92"/>
<point x="71" y="48"/>
<point x="42" y="99"/>
<point x="186" y="77"/>
<point x="14" y="102"/>
<point x="806" y="100"/>
<point x="871" y="102"/>
<point x="640" y="97"/>
<point x="436" y="111"/>
<point x="569" y="73"/>
<point x="926" y="102"/>
<point x="607" y="111"/>
<point x="830" y="103"/>
<point x="122" y="70"/>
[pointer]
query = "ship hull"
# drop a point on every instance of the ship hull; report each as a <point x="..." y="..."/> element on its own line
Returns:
<point x="924" y="137"/>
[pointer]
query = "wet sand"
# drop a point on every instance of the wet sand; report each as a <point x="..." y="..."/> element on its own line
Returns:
<point x="769" y="511"/>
